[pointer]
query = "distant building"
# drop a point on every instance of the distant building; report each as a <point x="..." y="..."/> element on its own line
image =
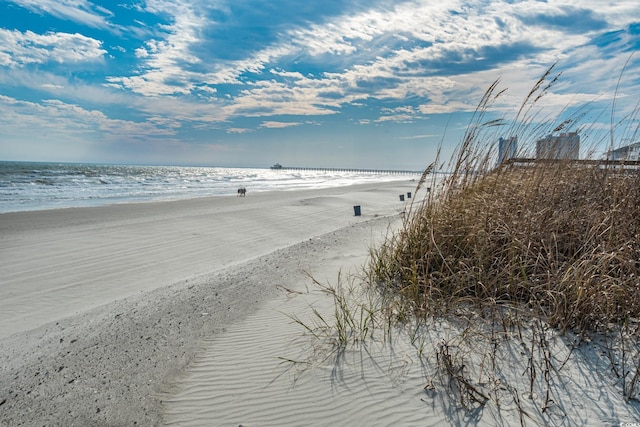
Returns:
<point x="563" y="146"/>
<point x="507" y="148"/>
<point x="628" y="152"/>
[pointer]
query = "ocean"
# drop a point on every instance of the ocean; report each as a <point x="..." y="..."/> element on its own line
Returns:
<point x="28" y="186"/>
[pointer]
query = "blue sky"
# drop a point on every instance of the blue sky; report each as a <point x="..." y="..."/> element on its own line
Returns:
<point x="373" y="84"/>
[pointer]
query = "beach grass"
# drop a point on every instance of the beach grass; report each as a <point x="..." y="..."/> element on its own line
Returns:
<point x="559" y="239"/>
<point x="529" y="263"/>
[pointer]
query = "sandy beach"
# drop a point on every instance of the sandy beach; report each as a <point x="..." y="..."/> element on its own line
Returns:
<point x="180" y="314"/>
<point x="104" y="308"/>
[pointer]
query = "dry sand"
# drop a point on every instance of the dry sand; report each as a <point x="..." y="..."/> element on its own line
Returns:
<point x="178" y="314"/>
<point x="63" y="262"/>
<point x="103" y="307"/>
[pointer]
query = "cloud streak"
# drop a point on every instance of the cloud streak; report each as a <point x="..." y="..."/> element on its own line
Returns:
<point x="80" y="11"/>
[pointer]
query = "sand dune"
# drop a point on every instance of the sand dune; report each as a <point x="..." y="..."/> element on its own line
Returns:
<point x="241" y="377"/>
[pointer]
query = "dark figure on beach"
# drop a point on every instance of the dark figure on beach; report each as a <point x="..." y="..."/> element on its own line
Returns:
<point x="242" y="192"/>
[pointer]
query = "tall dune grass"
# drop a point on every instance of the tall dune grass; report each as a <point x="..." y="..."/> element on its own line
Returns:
<point x="533" y="252"/>
<point x="529" y="260"/>
<point x="559" y="240"/>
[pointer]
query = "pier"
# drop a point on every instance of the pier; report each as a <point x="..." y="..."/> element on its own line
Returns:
<point x="353" y="170"/>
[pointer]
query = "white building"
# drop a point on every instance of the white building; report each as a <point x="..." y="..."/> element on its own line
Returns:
<point x="628" y="152"/>
<point x="563" y="146"/>
<point x="507" y="148"/>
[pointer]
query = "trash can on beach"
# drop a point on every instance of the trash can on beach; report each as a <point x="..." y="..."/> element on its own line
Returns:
<point x="409" y="195"/>
<point x="402" y="197"/>
<point x="356" y="210"/>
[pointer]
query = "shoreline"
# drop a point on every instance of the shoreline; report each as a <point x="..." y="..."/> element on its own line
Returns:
<point x="112" y="364"/>
<point x="79" y="185"/>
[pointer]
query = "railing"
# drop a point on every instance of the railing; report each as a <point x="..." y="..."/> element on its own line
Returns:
<point x="614" y="164"/>
<point x="374" y="171"/>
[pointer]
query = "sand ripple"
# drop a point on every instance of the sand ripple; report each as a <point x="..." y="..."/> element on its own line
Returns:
<point x="240" y="379"/>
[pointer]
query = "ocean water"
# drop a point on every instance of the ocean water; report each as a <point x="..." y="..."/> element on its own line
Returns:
<point x="27" y="186"/>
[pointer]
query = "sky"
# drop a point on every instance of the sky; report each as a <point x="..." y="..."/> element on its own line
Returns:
<point x="333" y="83"/>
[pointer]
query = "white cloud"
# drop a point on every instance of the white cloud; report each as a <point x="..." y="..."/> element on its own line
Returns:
<point x="278" y="125"/>
<point x="239" y="130"/>
<point x="19" y="49"/>
<point x="80" y="11"/>
<point x="141" y="52"/>
<point x="52" y="86"/>
<point x="60" y="118"/>
<point x="268" y="98"/>
<point x="163" y="67"/>
<point x="398" y="118"/>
